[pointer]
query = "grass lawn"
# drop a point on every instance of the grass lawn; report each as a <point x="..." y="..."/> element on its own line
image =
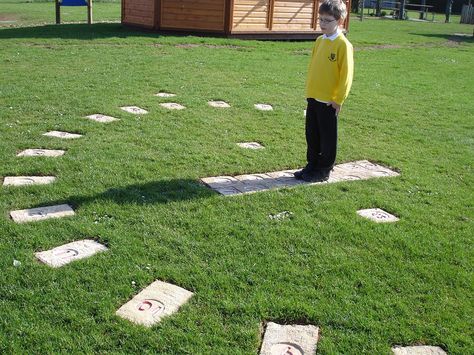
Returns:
<point x="134" y="186"/>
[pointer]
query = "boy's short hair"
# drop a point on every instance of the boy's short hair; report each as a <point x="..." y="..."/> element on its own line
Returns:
<point x="336" y="8"/>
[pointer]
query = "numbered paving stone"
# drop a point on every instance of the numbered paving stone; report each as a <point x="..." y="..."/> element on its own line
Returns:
<point x="377" y="215"/>
<point x="67" y="253"/>
<point x="165" y="94"/>
<point x="218" y="104"/>
<point x="172" y="106"/>
<point x="135" y="110"/>
<point x="27" y="180"/>
<point x="41" y="153"/>
<point x="101" y="118"/>
<point x="41" y="213"/>
<point x="63" y="135"/>
<point x="151" y="305"/>
<point x="289" y="339"/>
<point x="418" y="350"/>
<point x="250" y="145"/>
<point x="263" y="107"/>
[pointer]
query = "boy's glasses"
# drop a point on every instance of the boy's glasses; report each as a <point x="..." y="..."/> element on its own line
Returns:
<point x="325" y="20"/>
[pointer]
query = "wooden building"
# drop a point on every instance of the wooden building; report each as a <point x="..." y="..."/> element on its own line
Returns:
<point x="285" y="19"/>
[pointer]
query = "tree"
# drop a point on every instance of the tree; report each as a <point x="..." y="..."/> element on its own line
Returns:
<point x="449" y="5"/>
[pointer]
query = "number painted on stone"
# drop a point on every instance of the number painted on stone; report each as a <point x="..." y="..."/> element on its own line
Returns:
<point x="152" y="306"/>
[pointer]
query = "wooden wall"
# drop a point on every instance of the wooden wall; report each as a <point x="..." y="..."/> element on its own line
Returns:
<point x="293" y="15"/>
<point x="193" y="14"/>
<point x="250" y="15"/>
<point x="139" y="12"/>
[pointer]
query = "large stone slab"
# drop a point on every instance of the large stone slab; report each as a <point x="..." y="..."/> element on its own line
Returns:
<point x="418" y="350"/>
<point x="250" y="145"/>
<point x="62" y="135"/>
<point x="41" y="213"/>
<point x="172" y="106"/>
<point x="263" y="107"/>
<point x="218" y="104"/>
<point x="28" y="180"/>
<point x="41" y="153"/>
<point x="248" y="183"/>
<point x="151" y="305"/>
<point x="134" y="110"/>
<point x="70" y="252"/>
<point x="101" y="118"/>
<point x="377" y="215"/>
<point x="290" y="339"/>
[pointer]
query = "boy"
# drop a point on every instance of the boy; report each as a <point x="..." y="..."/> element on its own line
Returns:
<point x="328" y="84"/>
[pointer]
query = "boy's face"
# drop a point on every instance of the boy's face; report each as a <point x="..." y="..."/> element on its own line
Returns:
<point x="328" y="23"/>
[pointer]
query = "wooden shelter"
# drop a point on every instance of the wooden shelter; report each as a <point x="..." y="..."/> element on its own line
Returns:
<point x="285" y="19"/>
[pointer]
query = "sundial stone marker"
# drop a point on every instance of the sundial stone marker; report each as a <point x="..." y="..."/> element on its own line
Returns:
<point x="134" y="110"/>
<point x="67" y="253"/>
<point x="218" y="104"/>
<point x="418" y="350"/>
<point x="152" y="304"/>
<point x="41" y="213"/>
<point x="358" y="170"/>
<point x="101" y="118"/>
<point x="27" y="180"/>
<point x="62" y="135"/>
<point x="165" y="94"/>
<point x="263" y="107"/>
<point x="41" y="153"/>
<point x="377" y="215"/>
<point x="250" y="145"/>
<point x="172" y="106"/>
<point x="289" y="339"/>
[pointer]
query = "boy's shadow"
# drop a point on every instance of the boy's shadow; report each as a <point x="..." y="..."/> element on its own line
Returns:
<point x="156" y="192"/>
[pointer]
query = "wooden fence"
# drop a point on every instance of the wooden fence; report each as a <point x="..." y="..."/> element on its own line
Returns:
<point x="467" y="14"/>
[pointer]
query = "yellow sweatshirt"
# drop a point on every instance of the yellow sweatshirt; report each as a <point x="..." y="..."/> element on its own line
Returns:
<point x="330" y="70"/>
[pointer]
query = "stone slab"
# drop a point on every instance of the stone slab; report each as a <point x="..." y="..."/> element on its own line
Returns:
<point x="70" y="252"/>
<point x="165" y="94"/>
<point x="134" y="110"/>
<point x="248" y="183"/>
<point x="62" y="135"/>
<point x="41" y="213"/>
<point x="218" y="104"/>
<point x="290" y="339"/>
<point x="28" y="180"/>
<point x="418" y="350"/>
<point x="41" y="153"/>
<point x="377" y="215"/>
<point x="101" y="118"/>
<point x="152" y="304"/>
<point x="250" y="145"/>
<point x="263" y="107"/>
<point x="172" y="106"/>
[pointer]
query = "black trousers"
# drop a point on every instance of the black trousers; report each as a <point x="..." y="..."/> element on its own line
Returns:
<point x="321" y="135"/>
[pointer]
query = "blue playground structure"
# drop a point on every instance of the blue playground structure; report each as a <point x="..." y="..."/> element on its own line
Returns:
<point x="87" y="3"/>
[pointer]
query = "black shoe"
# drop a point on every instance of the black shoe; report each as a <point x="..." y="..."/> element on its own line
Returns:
<point x="299" y="174"/>
<point x="316" y="176"/>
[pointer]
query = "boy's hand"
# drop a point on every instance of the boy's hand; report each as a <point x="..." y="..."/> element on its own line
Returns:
<point x="335" y="106"/>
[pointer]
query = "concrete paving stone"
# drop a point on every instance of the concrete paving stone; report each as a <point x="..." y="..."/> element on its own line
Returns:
<point x="285" y="178"/>
<point x="250" y="145"/>
<point x="377" y="215"/>
<point x="263" y="107"/>
<point x="418" y="350"/>
<point x="63" y="135"/>
<point x="152" y="304"/>
<point x="28" y="180"/>
<point x="134" y="110"/>
<point x="165" y="94"/>
<point x="101" y="118"/>
<point x="290" y="339"/>
<point x="172" y="106"/>
<point x="41" y="153"/>
<point x="41" y="213"/>
<point x="218" y="104"/>
<point x="67" y="253"/>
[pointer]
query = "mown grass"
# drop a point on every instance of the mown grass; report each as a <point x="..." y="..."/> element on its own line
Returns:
<point x="134" y="185"/>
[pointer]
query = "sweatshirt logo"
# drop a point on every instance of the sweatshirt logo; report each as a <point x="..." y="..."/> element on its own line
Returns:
<point x="332" y="57"/>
